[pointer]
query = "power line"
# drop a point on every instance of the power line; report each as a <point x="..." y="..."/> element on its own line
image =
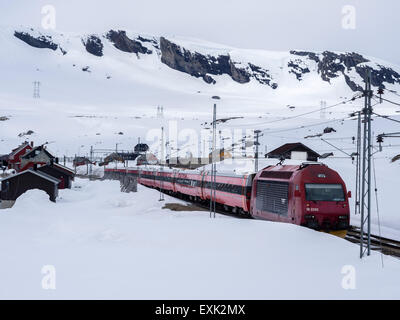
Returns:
<point x="307" y="126"/>
<point x="315" y="124"/>
<point x="395" y="103"/>
<point x="386" y="117"/>
<point x="304" y="114"/>
<point x="394" y="92"/>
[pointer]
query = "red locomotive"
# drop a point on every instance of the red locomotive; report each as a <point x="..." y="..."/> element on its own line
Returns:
<point x="309" y="194"/>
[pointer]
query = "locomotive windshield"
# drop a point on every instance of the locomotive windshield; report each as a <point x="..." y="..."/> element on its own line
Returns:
<point x="324" y="192"/>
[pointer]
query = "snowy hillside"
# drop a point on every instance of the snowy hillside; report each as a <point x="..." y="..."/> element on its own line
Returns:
<point x="87" y="81"/>
<point x="126" y="66"/>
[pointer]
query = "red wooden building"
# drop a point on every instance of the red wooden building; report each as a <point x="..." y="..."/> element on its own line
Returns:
<point x="64" y="174"/>
<point x="14" y="158"/>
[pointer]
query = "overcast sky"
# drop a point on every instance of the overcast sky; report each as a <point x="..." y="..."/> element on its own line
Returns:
<point x="255" y="24"/>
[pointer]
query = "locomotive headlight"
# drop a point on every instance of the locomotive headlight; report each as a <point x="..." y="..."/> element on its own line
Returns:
<point x="309" y="216"/>
<point x="342" y="217"/>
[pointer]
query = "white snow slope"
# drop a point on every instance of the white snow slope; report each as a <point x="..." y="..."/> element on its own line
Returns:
<point x="105" y="244"/>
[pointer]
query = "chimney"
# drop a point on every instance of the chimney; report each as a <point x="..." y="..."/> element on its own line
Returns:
<point x="57" y="160"/>
<point x="32" y="144"/>
<point x="35" y="166"/>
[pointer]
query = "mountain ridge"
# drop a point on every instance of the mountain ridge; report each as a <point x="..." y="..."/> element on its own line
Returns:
<point x="186" y="58"/>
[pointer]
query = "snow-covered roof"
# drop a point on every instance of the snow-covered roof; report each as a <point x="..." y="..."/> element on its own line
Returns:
<point x="41" y="148"/>
<point x="57" y="165"/>
<point x="38" y="173"/>
<point x="18" y="149"/>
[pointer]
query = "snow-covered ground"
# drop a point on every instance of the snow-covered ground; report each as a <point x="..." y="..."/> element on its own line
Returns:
<point x="102" y="243"/>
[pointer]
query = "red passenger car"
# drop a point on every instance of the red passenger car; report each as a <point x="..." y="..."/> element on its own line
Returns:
<point x="232" y="191"/>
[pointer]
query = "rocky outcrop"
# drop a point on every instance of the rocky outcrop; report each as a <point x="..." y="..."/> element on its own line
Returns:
<point x="381" y="76"/>
<point x="262" y="76"/>
<point x="121" y="41"/>
<point x="198" y="65"/>
<point x="41" y="42"/>
<point x="331" y="65"/>
<point x="93" y="45"/>
<point x="298" y="68"/>
<point x="205" y="66"/>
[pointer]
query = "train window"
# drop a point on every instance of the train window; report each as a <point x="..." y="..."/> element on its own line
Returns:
<point x="272" y="197"/>
<point x="324" y="192"/>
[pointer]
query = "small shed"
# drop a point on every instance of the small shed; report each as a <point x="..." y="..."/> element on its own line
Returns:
<point x="295" y="151"/>
<point x="62" y="173"/>
<point x="14" y="186"/>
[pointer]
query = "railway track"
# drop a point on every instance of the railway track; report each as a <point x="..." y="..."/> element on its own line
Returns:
<point x="384" y="245"/>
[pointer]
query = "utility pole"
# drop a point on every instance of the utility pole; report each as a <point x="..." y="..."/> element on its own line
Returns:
<point x="257" y="135"/>
<point x="213" y="165"/>
<point x="323" y="110"/>
<point x="36" y="89"/>
<point x="116" y="155"/>
<point x="365" y="180"/>
<point x="357" y="208"/>
<point x="91" y="160"/>
<point x="162" y="165"/>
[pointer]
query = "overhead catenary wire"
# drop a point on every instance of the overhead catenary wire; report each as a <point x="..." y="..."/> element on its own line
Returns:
<point x="386" y="117"/>
<point x="394" y="92"/>
<point x="304" y="114"/>
<point x="389" y="101"/>
<point x="350" y="117"/>
<point x="305" y="126"/>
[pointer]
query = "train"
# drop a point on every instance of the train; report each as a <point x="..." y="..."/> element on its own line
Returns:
<point x="309" y="194"/>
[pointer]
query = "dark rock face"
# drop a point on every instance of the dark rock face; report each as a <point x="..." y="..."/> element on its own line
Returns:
<point x="332" y="65"/>
<point x="208" y="79"/>
<point x="297" y="69"/>
<point x="123" y="43"/>
<point x="199" y="65"/>
<point x="379" y="77"/>
<point x="262" y="76"/>
<point x="93" y="45"/>
<point x="39" y="42"/>
<point x="309" y="55"/>
<point x="204" y="66"/>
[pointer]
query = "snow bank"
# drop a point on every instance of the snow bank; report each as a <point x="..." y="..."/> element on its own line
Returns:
<point x="107" y="244"/>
